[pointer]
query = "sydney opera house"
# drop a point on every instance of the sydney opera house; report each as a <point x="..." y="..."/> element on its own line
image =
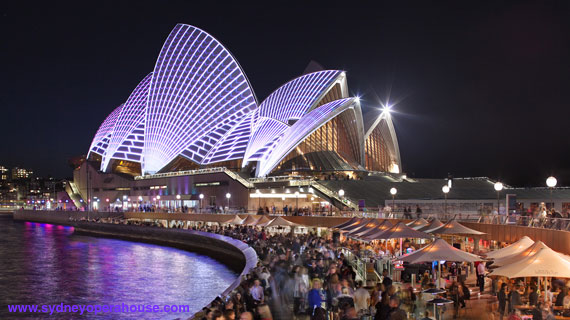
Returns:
<point x="197" y="111"/>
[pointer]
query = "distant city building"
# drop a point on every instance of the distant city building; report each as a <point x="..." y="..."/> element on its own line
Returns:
<point x="20" y="173"/>
<point x="3" y="173"/>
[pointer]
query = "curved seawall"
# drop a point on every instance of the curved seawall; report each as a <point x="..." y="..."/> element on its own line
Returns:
<point x="235" y="254"/>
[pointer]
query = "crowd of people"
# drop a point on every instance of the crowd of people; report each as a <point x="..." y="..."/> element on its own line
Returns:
<point x="305" y="277"/>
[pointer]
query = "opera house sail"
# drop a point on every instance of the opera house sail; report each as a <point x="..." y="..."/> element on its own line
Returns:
<point x="197" y="109"/>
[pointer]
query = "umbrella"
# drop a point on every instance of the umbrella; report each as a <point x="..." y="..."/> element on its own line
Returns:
<point x="355" y="225"/>
<point x="530" y="251"/>
<point x="545" y="263"/>
<point x="347" y="223"/>
<point x="264" y="220"/>
<point x="250" y="220"/>
<point x="383" y="226"/>
<point x="364" y="228"/>
<point x="400" y="230"/>
<point x="235" y="220"/>
<point x="281" y="222"/>
<point x="437" y="251"/>
<point x="418" y="223"/>
<point x="455" y="228"/>
<point x="514" y="248"/>
<point x="439" y="301"/>
<point x="432" y="225"/>
<point x="433" y="291"/>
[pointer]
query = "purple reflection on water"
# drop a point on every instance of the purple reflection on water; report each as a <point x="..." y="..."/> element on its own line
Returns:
<point x="48" y="264"/>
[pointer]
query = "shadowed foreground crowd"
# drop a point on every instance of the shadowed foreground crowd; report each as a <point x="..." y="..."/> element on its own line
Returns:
<point x="302" y="277"/>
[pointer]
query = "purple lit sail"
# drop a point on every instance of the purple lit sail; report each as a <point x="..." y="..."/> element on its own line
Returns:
<point x="289" y="102"/>
<point x="303" y="128"/>
<point x="197" y="91"/>
<point x="101" y="140"/>
<point x="127" y="141"/>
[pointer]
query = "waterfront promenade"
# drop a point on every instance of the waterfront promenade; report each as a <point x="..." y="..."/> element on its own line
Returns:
<point x="287" y="262"/>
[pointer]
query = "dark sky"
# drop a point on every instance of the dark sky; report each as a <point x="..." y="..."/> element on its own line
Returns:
<point x="482" y="88"/>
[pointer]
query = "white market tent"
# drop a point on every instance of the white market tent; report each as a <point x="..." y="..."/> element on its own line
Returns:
<point x="516" y="247"/>
<point x="250" y="220"/>
<point x="281" y="222"/>
<point x="439" y="250"/>
<point x="545" y="263"/>
<point x="530" y="251"/>
<point x="235" y="220"/>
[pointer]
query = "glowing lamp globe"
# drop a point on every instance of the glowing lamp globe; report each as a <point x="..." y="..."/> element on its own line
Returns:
<point x="393" y="191"/>
<point x="551" y="182"/>
<point x="498" y="186"/>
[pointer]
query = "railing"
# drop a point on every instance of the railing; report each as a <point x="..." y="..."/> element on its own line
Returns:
<point x="182" y="173"/>
<point x="355" y="262"/>
<point x="274" y="179"/>
<point x="331" y="194"/>
<point x="225" y="170"/>
<point x="238" y="178"/>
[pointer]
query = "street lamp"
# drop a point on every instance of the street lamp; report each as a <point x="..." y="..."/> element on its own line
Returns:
<point x="297" y="201"/>
<point x="258" y="197"/>
<point x="498" y="187"/>
<point x="551" y="183"/>
<point x="393" y="192"/>
<point x="228" y="196"/>
<point x="158" y="198"/>
<point x="180" y="203"/>
<point x="201" y="196"/>
<point x="445" y="190"/>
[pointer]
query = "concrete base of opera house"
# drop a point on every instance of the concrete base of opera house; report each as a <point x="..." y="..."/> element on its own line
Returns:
<point x="233" y="253"/>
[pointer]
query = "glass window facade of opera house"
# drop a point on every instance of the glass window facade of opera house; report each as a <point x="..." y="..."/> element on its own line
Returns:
<point x="197" y="111"/>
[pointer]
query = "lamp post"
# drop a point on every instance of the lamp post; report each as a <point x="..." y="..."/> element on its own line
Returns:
<point x="498" y="187"/>
<point x="393" y="192"/>
<point x="201" y="196"/>
<point x="341" y="195"/>
<point x="228" y="196"/>
<point x="551" y="183"/>
<point x="158" y="198"/>
<point x="180" y="203"/>
<point x="445" y="190"/>
<point x="258" y="197"/>
<point x="297" y="201"/>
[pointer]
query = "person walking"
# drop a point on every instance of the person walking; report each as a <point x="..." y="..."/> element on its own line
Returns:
<point x="502" y="296"/>
<point x="361" y="298"/>
<point x="418" y="211"/>
<point x="481" y="276"/>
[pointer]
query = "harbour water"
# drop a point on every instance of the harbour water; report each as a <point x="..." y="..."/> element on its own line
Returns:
<point x="43" y="264"/>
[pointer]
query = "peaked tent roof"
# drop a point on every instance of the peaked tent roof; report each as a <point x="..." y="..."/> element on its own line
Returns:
<point x="251" y="220"/>
<point x="235" y="220"/>
<point x="545" y="263"/>
<point x="435" y="223"/>
<point x="530" y="251"/>
<point x="281" y="222"/>
<point x="400" y="230"/>
<point x="418" y="223"/>
<point x="437" y="251"/>
<point x="454" y="227"/>
<point x="364" y="228"/>
<point x="347" y="223"/>
<point x="383" y="226"/>
<point x="516" y="247"/>
<point x="264" y="220"/>
<point x="355" y="225"/>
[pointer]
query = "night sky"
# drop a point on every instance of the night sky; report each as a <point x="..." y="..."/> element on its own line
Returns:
<point x="482" y="89"/>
